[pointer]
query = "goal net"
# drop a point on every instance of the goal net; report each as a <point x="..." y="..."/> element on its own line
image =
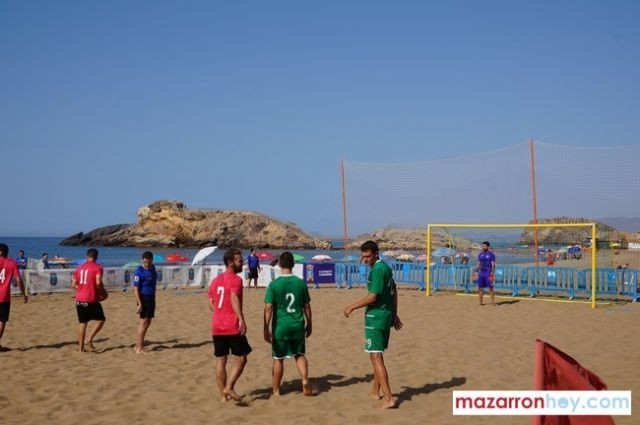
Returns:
<point x="545" y="259"/>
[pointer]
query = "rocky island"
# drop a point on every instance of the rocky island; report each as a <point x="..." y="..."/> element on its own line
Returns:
<point x="172" y="224"/>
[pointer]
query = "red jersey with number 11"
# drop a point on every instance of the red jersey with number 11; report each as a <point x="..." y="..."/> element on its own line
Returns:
<point x="85" y="276"/>
<point x="224" y="320"/>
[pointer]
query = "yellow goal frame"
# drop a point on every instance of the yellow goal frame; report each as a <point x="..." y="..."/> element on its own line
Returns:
<point x="427" y="275"/>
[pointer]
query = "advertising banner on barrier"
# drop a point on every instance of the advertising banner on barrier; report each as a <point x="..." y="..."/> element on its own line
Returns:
<point x="320" y="273"/>
<point x="48" y="281"/>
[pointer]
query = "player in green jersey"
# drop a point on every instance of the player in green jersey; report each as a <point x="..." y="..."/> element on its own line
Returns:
<point x="287" y="303"/>
<point x="381" y="314"/>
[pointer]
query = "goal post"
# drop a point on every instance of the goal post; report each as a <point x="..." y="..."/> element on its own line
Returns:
<point x="542" y="258"/>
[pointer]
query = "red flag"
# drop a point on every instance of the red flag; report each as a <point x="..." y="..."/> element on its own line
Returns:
<point x="558" y="371"/>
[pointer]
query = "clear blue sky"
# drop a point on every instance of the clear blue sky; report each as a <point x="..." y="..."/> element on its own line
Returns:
<point x="107" y="106"/>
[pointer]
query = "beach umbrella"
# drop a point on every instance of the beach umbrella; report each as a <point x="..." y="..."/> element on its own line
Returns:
<point x="321" y="257"/>
<point x="421" y="259"/>
<point x="265" y="255"/>
<point x="298" y="257"/>
<point x="176" y="258"/>
<point x="202" y="254"/>
<point x="390" y="254"/>
<point x="443" y="252"/>
<point x="406" y="257"/>
<point x="157" y="258"/>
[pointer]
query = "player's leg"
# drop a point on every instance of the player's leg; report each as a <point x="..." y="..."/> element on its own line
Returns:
<point x="278" y="371"/>
<point x="303" y="369"/>
<point x="2" y="324"/>
<point x="221" y="375"/>
<point x="142" y="332"/>
<point x="380" y="372"/>
<point x="82" y="331"/>
<point x="236" y="371"/>
<point x="375" y="389"/>
<point x="97" y="314"/>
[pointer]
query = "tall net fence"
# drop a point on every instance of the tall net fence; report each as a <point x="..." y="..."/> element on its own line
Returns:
<point x="494" y="187"/>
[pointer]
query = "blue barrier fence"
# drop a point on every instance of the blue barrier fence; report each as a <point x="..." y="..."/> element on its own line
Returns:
<point x="530" y="281"/>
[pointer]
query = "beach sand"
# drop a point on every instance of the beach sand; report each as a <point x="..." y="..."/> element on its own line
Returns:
<point x="448" y="343"/>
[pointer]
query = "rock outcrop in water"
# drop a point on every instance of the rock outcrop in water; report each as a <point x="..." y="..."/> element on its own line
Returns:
<point x="172" y="224"/>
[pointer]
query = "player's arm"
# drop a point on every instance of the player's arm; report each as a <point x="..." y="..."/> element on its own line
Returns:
<point x="101" y="289"/>
<point x="236" y="305"/>
<point x="268" y="314"/>
<point x="74" y="281"/>
<point x="397" y="323"/>
<point x="136" y="290"/>
<point x="21" y="286"/>
<point x="370" y="298"/>
<point x="307" y="316"/>
<point x="211" y="301"/>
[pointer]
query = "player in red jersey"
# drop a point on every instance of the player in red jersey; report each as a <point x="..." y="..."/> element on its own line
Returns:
<point x="228" y="327"/>
<point x="87" y="281"/>
<point x="8" y="271"/>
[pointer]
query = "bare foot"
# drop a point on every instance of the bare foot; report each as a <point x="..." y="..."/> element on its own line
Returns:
<point x="306" y="389"/>
<point x="391" y="404"/>
<point x="375" y="396"/>
<point x="224" y="398"/>
<point x="89" y="345"/>
<point x="230" y="394"/>
<point x="276" y="393"/>
<point x="141" y="351"/>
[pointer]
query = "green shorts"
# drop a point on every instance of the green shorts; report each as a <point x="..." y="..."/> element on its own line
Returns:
<point x="285" y="349"/>
<point x="377" y="329"/>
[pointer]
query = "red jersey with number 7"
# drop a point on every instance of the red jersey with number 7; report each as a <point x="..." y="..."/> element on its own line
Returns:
<point x="224" y="320"/>
<point x="8" y="270"/>
<point x="85" y="276"/>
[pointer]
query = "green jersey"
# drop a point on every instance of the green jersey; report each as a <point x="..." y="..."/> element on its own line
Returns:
<point x="381" y="283"/>
<point x="288" y="294"/>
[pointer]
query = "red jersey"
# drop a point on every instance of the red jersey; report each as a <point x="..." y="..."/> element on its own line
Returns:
<point x="8" y="270"/>
<point x="85" y="276"/>
<point x="224" y="320"/>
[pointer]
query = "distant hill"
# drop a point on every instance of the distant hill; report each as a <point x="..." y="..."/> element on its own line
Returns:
<point x="410" y="238"/>
<point x="571" y="235"/>
<point x="172" y="224"/>
<point x="626" y="224"/>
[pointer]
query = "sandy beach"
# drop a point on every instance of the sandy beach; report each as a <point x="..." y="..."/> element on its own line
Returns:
<point x="448" y="343"/>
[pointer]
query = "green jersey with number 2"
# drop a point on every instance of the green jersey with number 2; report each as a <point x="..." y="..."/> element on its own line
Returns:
<point x="288" y="295"/>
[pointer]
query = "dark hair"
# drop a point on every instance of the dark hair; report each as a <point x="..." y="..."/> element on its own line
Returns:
<point x="45" y="253"/>
<point x="369" y="246"/>
<point x="230" y="254"/>
<point x="486" y="243"/>
<point x="21" y="252"/>
<point x="92" y="253"/>
<point x="285" y="261"/>
<point x="4" y="249"/>
<point x="147" y="255"/>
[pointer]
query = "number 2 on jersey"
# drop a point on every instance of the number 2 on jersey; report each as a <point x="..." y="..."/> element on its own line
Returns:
<point x="291" y="299"/>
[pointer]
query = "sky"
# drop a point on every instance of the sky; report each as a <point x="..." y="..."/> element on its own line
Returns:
<point x="109" y="106"/>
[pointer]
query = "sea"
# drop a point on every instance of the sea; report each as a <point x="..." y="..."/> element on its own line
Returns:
<point x="110" y="256"/>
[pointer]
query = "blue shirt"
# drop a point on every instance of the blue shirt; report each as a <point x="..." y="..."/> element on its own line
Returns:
<point x="485" y="259"/>
<point x="253" y="262"/>
<point x="145" y="280"/>
<point x="22" y="262"/>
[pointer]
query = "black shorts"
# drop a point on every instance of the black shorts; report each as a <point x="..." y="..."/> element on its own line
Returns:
<point x="237" y="344"/>
<point x="89" y="311"/>
<point x="5" y="308"/>
<point x="253" y="273"/>
<point x="148" y="310"/>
